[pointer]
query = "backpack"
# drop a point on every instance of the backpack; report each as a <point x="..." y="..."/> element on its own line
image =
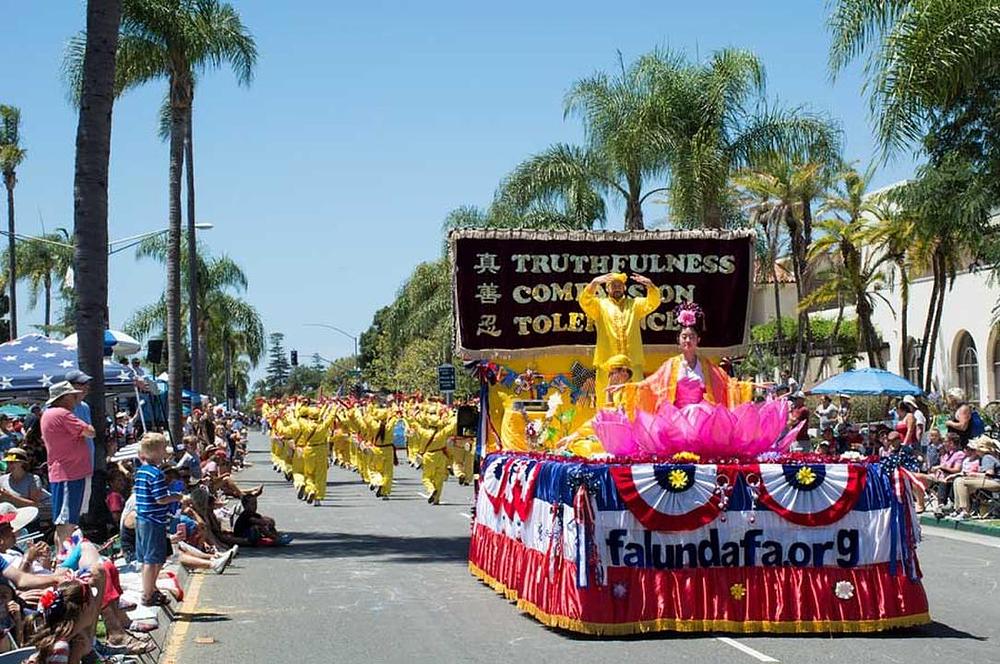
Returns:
<point x="976" y="425"/>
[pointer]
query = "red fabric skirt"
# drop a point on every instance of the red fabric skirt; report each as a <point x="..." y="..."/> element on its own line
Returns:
<point x="739" y="599"/>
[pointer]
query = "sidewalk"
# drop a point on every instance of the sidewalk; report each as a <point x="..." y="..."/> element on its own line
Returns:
<point x="984" y="527"/>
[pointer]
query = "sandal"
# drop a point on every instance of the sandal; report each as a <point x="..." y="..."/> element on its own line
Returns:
<point x="156" y="599"/>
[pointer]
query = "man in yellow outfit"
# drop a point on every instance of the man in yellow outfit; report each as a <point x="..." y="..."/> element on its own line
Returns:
<point x="383" y="457"/>
<point x="315" y="446"/>
<point x="617" y="318"/>
<point x="434" y="428"/>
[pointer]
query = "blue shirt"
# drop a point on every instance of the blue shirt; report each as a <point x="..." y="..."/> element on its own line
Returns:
<point x="83" y="412"/>
<point x="988" y="464"/>
<point x="149" y="487"/>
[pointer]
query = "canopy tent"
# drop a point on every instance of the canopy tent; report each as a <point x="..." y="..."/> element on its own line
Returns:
<point x="14" y="410"/>
<point x="114" y="342"/>
<point x="30" y="364"/>
<point x="868" y="381"/>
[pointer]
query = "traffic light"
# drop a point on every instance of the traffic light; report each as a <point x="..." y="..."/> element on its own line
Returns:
<point x="295" y="358"/>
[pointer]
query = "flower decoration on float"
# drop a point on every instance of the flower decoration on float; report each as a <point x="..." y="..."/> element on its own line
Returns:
<point x="688" y="314"/>
<point x="844" y="590"/>
<point x="738" y="591"/>
<point x="805" y="476"/>
<point x="619" y="590"/>
<point x="678" y="478"/>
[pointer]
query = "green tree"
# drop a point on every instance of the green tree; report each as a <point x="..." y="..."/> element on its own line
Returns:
<point x="856" y="275"/>
<point x="11" y="156"/>
<point x="41" y="262"/>
<point x="713" y="122"/>
<point x="922" y="58"/>
<point x="278" y="368"/>
<point x="231" y="327"/>
<point x="620" y="153"/>
<point x="174" y="40"/>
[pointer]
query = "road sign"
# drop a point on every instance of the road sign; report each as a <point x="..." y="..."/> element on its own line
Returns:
<point x="446" y="378"/>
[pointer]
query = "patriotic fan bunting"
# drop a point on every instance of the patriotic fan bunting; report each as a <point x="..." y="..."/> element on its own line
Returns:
<point x="509" y="484"/>
<point x="670" y="497"/>
<point x="811" y="495"/>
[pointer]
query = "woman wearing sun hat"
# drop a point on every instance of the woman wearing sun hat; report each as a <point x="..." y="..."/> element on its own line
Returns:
<point x="68" y="456"/>
<point x="17" y="485"/>
<point x="987" y="450"/>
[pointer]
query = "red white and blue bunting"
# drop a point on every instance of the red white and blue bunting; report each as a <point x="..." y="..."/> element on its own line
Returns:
<point x="674" y="497"/>
<point x="810" y="495"/>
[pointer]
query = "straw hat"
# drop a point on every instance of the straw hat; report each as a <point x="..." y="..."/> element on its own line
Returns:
<point x="59" y="390"/>
<point x="985" y="444"/>
<point x="16" y="454"/>
<point x="17" y="517"/>
<point x="910" y="401"/>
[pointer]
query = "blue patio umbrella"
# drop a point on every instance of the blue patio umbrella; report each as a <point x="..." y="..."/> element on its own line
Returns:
<point x="867" y="381"/>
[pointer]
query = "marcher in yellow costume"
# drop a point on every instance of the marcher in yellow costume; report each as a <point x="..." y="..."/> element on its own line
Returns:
<point x="462" y="457"/>
<point x="316" y="447"/>
<point x="617" y="318"/>
<point x="433" y="430"/>
<point x="383" y="459"/>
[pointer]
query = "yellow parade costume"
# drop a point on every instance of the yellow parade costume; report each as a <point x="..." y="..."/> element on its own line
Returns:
<point x="618" y="330"/>
<point x="314" y="454"/>
<point x="383" y="456"/>
<point x="434" y="435"/>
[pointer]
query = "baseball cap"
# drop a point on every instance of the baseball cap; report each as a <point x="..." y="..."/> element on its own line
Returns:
<point x="78" y="377"/>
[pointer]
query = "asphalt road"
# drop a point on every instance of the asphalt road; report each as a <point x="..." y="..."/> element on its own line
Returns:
<point x="386" y="581"/>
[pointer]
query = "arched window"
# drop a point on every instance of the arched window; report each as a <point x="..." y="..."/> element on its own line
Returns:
<point x="968" y="367"/>
<point x="996" y="367"/>
<point x="913" y="348"/>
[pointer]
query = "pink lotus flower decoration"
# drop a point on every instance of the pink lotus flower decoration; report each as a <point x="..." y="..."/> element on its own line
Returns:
<point x="709" y="431"/>
<point x="615" y="432"/>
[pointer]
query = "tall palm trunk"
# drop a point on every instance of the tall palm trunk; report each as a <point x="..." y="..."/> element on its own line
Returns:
<point x="48" y="301"/>
<point x="633" y="206"/>
<point x="925" y="367"/>
<point x="904" y="307"/>
<point x="938" y="307"/>
<point x="90" y="216"/>
<point x="194" y="314"/>
<point x="175" y="356"/>
<point x="9" y="181"/>
<point x="779" y="335"/>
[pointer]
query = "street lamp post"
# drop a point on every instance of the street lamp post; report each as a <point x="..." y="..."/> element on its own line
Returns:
<point x="346" y="334"/>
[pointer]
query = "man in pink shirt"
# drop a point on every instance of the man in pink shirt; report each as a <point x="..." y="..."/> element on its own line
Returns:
<point x="64" y="435"/>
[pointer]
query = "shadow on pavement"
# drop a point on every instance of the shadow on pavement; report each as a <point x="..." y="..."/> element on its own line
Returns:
<point x="934" y="630"/>
<point x="391" y="549"/>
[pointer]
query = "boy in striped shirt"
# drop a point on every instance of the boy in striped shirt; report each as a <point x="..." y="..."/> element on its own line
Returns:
<point x="152" y="516"/>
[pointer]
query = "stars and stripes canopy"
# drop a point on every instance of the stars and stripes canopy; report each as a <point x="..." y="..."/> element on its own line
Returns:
<point x="32" y="363"/>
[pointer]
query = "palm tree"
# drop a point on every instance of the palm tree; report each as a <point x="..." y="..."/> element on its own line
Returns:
<point x="40" y="261"/>
<point x="923" y="57"/>
<point x="11" y="156"/>
<point x="949" y="203"/>
<point x="173" y="40"/>
<point x="620" y="152"/>
<point x="714" y="123"/>
<point x="857" y="274"/>
<point x="90" y="209"/>
<point x="229" y="325"/>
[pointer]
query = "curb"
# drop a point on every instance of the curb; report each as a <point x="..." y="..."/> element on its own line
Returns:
<point x="165" y="619"/>
<point x="970" y="526"/>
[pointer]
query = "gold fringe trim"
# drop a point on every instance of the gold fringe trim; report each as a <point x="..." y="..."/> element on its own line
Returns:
<point x="676" y="625"/>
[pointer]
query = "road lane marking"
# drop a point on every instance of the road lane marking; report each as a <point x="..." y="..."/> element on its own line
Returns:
<point x="467" y="516"/>
<point x="180" y="628"/>
<point x="759" y="656"/>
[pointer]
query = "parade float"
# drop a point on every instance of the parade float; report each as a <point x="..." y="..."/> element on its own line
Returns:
<point x="608" y="515"/>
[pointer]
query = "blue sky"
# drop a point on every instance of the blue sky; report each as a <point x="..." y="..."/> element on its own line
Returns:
<point x="329" y="177"/>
